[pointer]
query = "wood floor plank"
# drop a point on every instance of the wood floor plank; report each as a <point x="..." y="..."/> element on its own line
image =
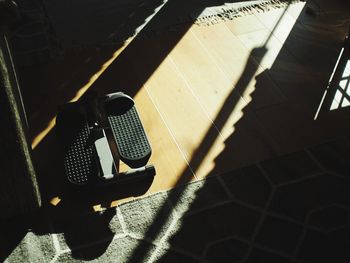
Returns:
<point x="322" y="13"/>
<point x="264" y="46"/>
<point x="278" y="24"/>
<point x="206" y="81"/>
<point x="211" y="99"/>
<point x="298" y="10"/>
<point x="278" y="21"/>
<point x="299" y="40"/>
<point x="128" y="74"/>
<point x="215" y="91"/>
<point x="234" y="58"/>
<point x="180" y="110"/>
<point x="210" y="87"/>
<point x="171" y="166"/>
<point x="258" y="89"/>
<point x="244" y="24"/>
<point x="280" y="64"/>
<point x="255" y="85"/>
<point x="304" y="62"/>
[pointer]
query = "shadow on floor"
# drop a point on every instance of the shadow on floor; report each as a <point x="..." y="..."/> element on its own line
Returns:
<point x="284" y="197"/>
<point x="258" y="212"/>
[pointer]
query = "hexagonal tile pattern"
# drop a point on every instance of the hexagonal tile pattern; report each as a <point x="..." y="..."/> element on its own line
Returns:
<point x="290" y="167"/>
<point x="326" y="247"/>
<point x="248" y="185"/>
<point x="297" y="200"/>
<point x="330" y="217"/>
<point x="279" y="234"/>
<point x="198" y="195"/>
<point x="334" y="156"/>
<point x="249" y="215"/>
<point x="196" y="231"/>
<point x="227" y="251"/>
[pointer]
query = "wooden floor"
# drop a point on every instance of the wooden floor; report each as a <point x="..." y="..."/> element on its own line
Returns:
<point x="212" y="98"/>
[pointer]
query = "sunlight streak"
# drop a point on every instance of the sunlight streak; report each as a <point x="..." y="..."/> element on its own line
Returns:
<point x="39" y="137"/>
<point x="271" y="41"/>
<point x="329" y="83"/>
<point x="342" y="94"/>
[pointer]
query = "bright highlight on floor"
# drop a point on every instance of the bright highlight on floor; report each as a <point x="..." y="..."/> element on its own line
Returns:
<point x="342" y="95"/>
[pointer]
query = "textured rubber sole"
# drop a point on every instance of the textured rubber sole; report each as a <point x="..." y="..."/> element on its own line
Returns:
<point x="87" y="157"/>
<point x="130" y="137"/>
<point x="78" y="157"/>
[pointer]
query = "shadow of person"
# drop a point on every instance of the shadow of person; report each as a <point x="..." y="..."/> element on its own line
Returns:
<point x="24" y="238"/>
<point x="86" y="236"/>
<point x="11" y="233"/>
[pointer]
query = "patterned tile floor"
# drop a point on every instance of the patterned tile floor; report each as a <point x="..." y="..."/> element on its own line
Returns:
<point x="294" y="208"/>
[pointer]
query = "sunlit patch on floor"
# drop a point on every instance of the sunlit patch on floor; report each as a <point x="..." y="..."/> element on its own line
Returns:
<point x="55" y="200"/>
<point x="342" y="95"/>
